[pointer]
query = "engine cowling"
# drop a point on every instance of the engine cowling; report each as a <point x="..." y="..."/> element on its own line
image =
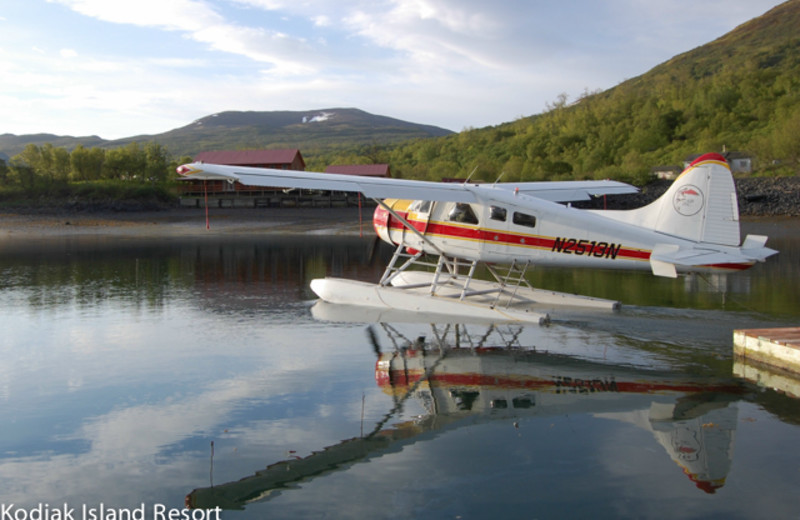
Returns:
<point x="386" y="226"/>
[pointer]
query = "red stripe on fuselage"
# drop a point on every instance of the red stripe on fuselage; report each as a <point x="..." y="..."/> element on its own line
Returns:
<point x="440" y="229"/>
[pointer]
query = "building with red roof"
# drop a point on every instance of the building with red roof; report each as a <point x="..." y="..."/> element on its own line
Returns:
<point x="222" y="193"/>
<point x="286" y="159"/>
<point x="281" y="159"/>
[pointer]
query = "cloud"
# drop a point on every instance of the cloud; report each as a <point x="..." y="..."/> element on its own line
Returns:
<point x="185" y="15"/>
<point x="199" y="22"/>
<point x="322" y="21"/>
<point x="453" y="63"/>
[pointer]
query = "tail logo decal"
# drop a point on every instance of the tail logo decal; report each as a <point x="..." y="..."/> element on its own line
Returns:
<point x="688" y="200"/>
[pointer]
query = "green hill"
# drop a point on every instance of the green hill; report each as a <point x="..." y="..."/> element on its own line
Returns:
<point x="740" y="92"/>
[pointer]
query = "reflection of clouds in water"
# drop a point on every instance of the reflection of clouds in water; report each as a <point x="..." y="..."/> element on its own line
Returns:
<point x="109" y="349"/>
<point x="203" y="371"/>
<point x="130" y="442"/>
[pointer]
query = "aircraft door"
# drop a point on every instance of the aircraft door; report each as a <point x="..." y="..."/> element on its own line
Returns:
<point x="495" y="222"/>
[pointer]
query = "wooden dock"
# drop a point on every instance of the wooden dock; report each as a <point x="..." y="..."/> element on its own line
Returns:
<point x="775" y="348"/>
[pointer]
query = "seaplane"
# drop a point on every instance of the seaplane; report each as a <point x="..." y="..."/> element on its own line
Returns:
<point x="446" y="235"/>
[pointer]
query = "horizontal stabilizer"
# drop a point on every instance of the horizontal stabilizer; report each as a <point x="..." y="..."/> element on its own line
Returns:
<point x="665" y="257"/>
<point x="753" y="248"/>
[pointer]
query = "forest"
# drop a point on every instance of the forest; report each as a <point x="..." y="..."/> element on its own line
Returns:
<point x="47" y="174"/>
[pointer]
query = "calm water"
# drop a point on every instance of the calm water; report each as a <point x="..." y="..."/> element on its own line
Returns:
<point x="143" y="375"/>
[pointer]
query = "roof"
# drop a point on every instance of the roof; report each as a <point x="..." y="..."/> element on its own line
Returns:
<point x="249" y="157"/>
<point x="364" y="170"/>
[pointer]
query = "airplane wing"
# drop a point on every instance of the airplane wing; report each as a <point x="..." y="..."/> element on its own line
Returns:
<point x="373" y="187"/>
<point x="370" y="186"/>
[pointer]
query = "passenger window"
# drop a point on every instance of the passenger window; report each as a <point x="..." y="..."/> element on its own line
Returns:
<point x="462" y="213"/>
<point x="523" y="219"/>
<point x="497" y="213"/>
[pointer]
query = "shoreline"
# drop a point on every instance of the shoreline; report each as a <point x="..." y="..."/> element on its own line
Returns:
<point x="191" y="223"/>
<point x="185" y="222"/>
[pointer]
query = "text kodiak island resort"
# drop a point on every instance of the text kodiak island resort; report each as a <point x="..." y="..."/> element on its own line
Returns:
<point x="44" y="511"/>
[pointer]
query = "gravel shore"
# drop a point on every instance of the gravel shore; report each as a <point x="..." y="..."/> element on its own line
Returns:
<point x="186" y="222"/>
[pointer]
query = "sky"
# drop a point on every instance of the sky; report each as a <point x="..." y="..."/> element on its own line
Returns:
<point x="121" y="68"/>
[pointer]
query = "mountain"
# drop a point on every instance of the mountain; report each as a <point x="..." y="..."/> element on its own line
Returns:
<point x="11" y="144"/>
<point x="311" y="131"/>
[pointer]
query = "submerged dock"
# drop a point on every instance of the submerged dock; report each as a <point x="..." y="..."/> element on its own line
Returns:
<point x="774" y="348"/>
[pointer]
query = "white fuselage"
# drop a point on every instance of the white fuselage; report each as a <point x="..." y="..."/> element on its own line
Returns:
<point x="506" y="227"/>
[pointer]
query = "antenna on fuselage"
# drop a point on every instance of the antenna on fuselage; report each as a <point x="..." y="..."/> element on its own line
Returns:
<point x="499" y="177"/>
<point x="471" y="174"/>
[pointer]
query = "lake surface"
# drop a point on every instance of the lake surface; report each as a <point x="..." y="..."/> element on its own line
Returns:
<point x="138" y="376"/>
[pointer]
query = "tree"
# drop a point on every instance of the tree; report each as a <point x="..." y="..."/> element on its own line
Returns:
<point x="157" y="162"/>
<point x="47" y="163"/>
<point x="4" y="171"/>
<point x="22" y="173"/>
<point x="27" y="165"/>
<point x="60" y="164"/>
<point x="86" y="165"/>
<point x="125" y="163"/>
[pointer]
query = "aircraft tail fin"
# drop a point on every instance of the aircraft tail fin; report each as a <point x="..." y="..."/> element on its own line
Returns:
<point x="700" y="205"/>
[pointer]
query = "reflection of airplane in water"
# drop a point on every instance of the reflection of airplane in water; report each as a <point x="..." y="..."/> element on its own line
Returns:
<point x="461" y="382"/>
